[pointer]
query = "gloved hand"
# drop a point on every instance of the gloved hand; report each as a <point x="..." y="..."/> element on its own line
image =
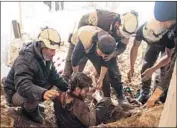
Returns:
<point x="110" y="56"/>
<point x="154" y="97"/>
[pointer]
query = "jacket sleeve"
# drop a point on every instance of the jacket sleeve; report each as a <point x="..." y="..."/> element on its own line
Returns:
<point x="121" y="48"/>
<point x="57" y="80"/>
<point x="23" y="78"/>
<point x="78" y="54"/>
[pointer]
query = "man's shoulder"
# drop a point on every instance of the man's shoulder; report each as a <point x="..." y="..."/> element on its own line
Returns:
<point x="139" y="33"/>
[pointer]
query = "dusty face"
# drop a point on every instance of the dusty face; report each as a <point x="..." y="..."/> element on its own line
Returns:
<point x="84" y="92"/>
<point x="81" y="93"/>
<point x="48" y="53"/>
<point x="168" y="24"/>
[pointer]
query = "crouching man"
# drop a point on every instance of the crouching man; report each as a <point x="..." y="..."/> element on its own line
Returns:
<point x="33" y="74"/>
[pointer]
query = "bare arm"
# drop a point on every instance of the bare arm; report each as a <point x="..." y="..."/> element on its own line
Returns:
<point x="133" y="56"/>
<point x="102" y="75"/>
<point x="133" y="53"/>
<point x="164" y="60"/>
<point x="103" y="72"/>
<point x="161" y="63"/>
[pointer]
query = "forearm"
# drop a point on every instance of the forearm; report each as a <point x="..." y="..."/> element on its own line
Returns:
<point x="161" y="63"/>
<point x="103" y="72"/>
<point x="30" y="91"/>
<point x="133" y="56"/>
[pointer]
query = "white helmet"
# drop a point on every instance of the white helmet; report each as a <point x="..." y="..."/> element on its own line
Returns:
<point x="50" y="37"/>
<point x="129" y="23"/>
<point x="153" y="31"/>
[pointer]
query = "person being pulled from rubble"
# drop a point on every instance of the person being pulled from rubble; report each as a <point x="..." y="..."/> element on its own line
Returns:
<point x="33" y="75"/>
<point x="156" y="34"/>
<point x="72" y="112"/>
<point x="121" y="27"/>
<point x="165" y="12"/>
<point x="96" y="44"/>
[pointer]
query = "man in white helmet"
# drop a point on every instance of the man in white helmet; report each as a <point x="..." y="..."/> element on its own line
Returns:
<point x="156" y="34"/>
<point x="165" y="13"/>
<point x="119" y="27"/>
<point x="33" y="74"/>
<point x="97" y="44"/>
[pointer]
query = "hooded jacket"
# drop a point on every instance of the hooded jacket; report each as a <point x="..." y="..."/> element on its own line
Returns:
<point x="31" y="76"/>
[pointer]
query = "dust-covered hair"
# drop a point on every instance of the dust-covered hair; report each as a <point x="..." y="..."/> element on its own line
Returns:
<point x="80" y="80"/>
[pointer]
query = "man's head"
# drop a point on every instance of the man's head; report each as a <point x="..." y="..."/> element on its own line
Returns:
<point x="127" y="25"/>
<point x="79" y="84"/>
<point x="165" y="12"/>
<point x="164" y="19"/>
<point x="106" y="45"/>
<point x="50" y="41"/>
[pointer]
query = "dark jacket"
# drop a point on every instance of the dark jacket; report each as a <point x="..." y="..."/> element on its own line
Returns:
<point x="104" y="20"/>
<point x="30" y="76"/>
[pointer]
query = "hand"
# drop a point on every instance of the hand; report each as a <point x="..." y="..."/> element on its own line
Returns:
<point x="99" y="84"/>
<point x="109" y="57"/>
<point x="130" y="74"/>
<point x="154" y="97"/>
<point x="147" y="74"/>
<point x="50" y="94"/>
<point x="150" y="103"/>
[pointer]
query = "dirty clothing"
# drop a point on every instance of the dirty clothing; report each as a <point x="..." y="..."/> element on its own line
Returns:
<point x="18" y="101"/>
<point x="152" y="52"/>
<point x="104" y="111"/>
<point x="112" y="77"/>
<point x="30" y="76"/>
<point x="74" y="114"/>
<point x="102" y="19"/>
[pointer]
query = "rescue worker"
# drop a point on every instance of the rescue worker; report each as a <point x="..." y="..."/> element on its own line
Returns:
<point x="165" y="12"/>
<point x="155" y="33"/>
<point x="33" y="75"/>
<point x="96" y="44"/>
<point x="119" y="27"/>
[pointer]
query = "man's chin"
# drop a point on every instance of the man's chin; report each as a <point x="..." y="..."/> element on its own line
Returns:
<point x="82" y="97"/>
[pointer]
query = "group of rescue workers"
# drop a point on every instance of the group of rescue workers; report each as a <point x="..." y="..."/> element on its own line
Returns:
<point x="101" y="36"/>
